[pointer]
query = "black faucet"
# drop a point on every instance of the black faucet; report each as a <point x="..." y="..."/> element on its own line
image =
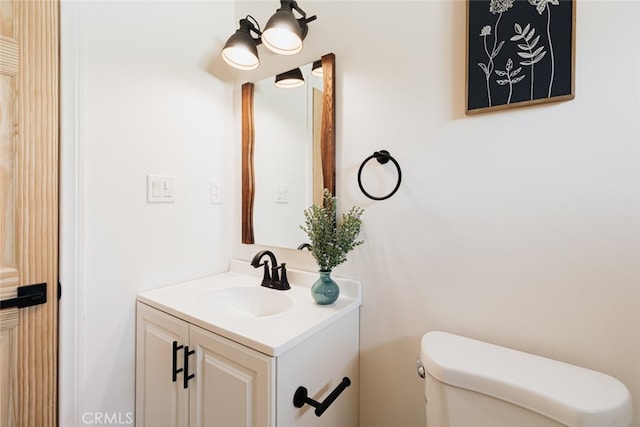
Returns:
<point x="273" y="280"/>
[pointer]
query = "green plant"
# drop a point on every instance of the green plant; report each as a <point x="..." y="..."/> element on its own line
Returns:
<point x="330" y="242"/>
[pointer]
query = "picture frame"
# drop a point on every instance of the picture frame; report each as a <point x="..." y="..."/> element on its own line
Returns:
<point x="519" y="53"/>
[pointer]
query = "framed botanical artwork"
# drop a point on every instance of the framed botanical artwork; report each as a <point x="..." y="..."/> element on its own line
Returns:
<point x="519" y="52"/>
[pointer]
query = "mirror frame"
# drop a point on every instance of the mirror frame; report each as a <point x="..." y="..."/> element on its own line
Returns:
<point x="327" y="144"/>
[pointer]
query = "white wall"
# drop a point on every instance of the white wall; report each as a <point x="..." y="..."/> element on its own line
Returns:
<point x="140" y="95"/>
<point x="518" y="227"/>
<point x="527" y="238"/>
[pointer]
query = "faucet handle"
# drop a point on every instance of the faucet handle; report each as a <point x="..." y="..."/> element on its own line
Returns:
<point x="266" y="277"/>
<point x="284" y="283"/>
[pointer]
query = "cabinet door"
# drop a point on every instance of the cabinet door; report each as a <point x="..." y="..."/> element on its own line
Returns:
<point x="234" y="385"/>
<point x="160" y="401"/>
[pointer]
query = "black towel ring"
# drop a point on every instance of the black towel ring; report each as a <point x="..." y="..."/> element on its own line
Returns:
<point x="382" y="157"/>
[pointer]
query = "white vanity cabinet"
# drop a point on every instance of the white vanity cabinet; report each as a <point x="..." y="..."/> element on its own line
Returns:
<point x="245" y="371"/>
<point x="230" y="384"/>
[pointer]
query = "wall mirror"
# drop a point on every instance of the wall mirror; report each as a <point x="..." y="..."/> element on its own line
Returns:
<point x="288" y="153"/>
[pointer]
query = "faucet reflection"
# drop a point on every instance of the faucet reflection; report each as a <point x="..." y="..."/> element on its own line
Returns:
<point x="273" y="280"/>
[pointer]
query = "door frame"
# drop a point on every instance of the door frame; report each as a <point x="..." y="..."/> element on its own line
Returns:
<point x="71" y="217"/>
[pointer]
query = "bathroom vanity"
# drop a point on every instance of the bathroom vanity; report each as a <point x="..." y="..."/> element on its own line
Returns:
<point x="224" y="351"/>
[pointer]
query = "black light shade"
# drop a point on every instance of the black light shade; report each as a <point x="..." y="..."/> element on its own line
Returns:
<point x="316" y="68"/>
<point x="240" y="50"/>
<point x="290" y="79"/>
<point x="282" y="33"/>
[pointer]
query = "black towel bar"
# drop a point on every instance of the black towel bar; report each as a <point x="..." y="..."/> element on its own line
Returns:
<point x="301" y="397"/>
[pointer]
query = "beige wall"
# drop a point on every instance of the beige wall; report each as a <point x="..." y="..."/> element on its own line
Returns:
<point x="518" y="227"/>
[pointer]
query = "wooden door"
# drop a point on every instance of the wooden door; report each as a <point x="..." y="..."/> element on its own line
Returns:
<point x="161" y="399"/>
<point x="233" y="386"/>
<point x="28" y="209"/>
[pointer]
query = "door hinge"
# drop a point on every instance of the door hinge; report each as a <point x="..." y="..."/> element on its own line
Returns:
<point x="59" y="290"/>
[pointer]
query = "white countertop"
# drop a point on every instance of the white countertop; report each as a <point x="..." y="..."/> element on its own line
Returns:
<point x="272" y="335"/>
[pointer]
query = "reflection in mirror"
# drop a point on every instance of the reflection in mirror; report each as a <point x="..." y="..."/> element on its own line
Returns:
<point x="288" y="154"/>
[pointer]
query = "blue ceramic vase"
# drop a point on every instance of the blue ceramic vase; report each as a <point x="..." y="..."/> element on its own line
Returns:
<point x="325" y="291"/>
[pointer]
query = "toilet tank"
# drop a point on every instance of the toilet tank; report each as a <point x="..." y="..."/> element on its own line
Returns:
<point x="569" y="394"/>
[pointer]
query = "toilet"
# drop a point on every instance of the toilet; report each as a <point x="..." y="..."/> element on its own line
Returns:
<point x="470" y="383"/>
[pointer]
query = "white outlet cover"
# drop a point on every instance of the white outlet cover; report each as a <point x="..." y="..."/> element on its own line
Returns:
<point x="216" y="195"/>
<point x="282" y="193"/>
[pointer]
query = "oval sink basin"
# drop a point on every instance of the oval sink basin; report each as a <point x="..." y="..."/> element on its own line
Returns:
<point x="250" y="301"/>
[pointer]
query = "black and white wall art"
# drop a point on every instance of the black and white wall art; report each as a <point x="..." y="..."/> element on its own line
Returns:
<point x="519" y="52"/>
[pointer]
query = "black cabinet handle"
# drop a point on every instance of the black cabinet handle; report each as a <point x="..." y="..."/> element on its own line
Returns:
<point x="185" y="375"/>
<point x="174" y="362"/>
<point x="301" y="397"/>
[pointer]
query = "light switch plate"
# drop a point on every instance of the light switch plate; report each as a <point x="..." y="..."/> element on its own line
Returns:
<point x="161" y="189"/>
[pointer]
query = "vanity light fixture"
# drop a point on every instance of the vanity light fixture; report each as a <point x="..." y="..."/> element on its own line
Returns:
<point x="316" y="69"/>
<point x="241" y="49"/>
<point x="283" y="33"/>
<point x="290" y="79"/>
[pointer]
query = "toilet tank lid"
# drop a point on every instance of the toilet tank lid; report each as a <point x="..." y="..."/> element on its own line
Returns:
<point x="569" y="394"/>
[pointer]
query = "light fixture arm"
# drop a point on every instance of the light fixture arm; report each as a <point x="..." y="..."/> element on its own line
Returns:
<point x="291" y="5"/>
<point x="248" y="26"/>
<point x="307" y="20"/>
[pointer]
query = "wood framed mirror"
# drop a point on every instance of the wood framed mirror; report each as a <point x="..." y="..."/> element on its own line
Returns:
<point x="288" y="154"/>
